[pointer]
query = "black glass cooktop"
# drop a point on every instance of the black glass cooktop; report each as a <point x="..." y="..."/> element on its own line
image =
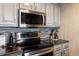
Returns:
<point x="43" y="44"/>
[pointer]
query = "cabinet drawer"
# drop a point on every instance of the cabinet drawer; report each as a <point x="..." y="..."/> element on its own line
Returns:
<point x="65" y="45"/>
<point x="65" y="52"/>
<point x="57" y="53"/>
<point x="57" y="47"/>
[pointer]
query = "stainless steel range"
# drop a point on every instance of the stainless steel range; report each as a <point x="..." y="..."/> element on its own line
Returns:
<point x="41" y="52"/>
<point x="32" y="44"/>
<point x="45" y="48"/>
<point x="28" y="38"/>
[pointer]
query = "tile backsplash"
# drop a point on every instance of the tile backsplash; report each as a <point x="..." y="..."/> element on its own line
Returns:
<point x="2" y="39"/>
<point x="45" y="34"/>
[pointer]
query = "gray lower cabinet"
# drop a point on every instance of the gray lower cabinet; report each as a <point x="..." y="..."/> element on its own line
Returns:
<point x="65" y="52"/>
<point x="61" y="50"/>
<point x="57" y="50"/>
<point x="65" y="49"/>
<point x="9" y="14"/>
<point x="58" y="54"/>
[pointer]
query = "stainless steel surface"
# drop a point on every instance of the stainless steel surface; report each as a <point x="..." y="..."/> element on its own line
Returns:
<point x="28" y="38"/>
<point x="20" y="33"/>
<point x="31" y="12"/>
<point x="29" y="25"/>
<point x="40" y="52"/>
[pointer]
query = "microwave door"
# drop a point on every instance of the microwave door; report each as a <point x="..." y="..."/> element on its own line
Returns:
<point x="31" y="20"/>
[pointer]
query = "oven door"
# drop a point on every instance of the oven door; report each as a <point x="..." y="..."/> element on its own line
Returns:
<point x="47" y="53"/>
<point x="42" y="52"/>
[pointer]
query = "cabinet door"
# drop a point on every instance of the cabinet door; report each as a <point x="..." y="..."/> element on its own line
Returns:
<point x="65" y="49"/>
<point x="30" y="6"/>
<point x="10" y="15"/>
<point x="65" y="45"/>
<point x="57" y="50"/>
<point x="1" y="14"/>
<point x="65" y="52"/>
<point x="40" y="7"/>
<point x="58" y="47"/>
<point x="57" y="15"/>
<point x="58" y="54"/>
<point x="49" y="15"/>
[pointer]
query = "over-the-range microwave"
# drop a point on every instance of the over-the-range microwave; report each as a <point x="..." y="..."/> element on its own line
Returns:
<point x="29" y="18"/>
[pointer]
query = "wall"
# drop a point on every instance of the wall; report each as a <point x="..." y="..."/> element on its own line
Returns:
<point x="69" y="27"/>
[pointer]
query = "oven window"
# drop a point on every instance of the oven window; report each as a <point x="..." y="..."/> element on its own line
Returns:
<point x="27" y="18"/>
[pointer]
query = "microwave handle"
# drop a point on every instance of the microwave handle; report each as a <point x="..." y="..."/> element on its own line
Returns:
<point x="43" y="20"/>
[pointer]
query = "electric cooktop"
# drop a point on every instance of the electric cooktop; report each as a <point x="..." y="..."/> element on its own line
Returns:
<point x="43" y="44"/>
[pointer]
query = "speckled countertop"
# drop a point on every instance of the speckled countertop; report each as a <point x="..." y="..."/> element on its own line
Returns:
<point x="7" y="51"/>
<point x="60" y="41"/>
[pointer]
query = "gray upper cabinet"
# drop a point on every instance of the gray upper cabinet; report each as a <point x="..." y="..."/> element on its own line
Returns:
<point x="9" y="15"/>
<point x="57" y="15"/>
<point x="1" y="14"/>
<point x="33" y="6"/>
<point x="29" y="6"/>
<point x="52" y="15"/>
<point x="40" y="7"/>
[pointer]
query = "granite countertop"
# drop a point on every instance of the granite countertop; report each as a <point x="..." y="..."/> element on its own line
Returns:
<point x="60" y="41"/>
<point x="46" y="44"/>
<point x="56" y="42"/>
<point x="6" y="51"/>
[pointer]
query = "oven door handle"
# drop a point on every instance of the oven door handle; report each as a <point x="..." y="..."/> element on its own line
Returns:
<point x="41" y="53"/>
